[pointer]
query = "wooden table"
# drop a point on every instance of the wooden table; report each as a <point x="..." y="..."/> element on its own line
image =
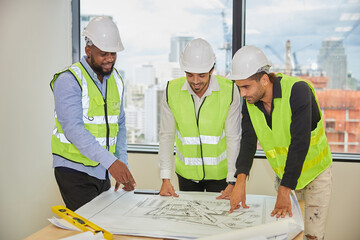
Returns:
<point x="51" y="232"/>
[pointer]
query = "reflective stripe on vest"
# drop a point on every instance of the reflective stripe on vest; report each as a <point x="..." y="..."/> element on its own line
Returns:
<point x="282" y="151"/>
<point x="98" y="119"/>
<point x="196" y="140"/>
<point x="102" y="141"/>
<point x="100" y="122"/>
<point x="198" y="161"/>
<point x="275" y="142"/>
<point x="200" y="143"/>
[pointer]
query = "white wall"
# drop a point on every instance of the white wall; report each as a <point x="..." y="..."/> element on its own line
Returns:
<point x="35" y="43"/>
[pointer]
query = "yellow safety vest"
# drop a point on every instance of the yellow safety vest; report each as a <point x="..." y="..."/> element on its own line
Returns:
<point x="200" y="141"/>
<point x="100" y="116"/>
<point x="275" y="142"/>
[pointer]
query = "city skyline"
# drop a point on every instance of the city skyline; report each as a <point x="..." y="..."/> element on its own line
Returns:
<point x="306" y="24"/>
<point x="327" y="49"/>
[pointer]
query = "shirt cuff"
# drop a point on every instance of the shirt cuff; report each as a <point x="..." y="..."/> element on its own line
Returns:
<point x="165" y="174"/>
<point x="230" y="177"/>
<point x="108" y="160"/>
<point x="241" y="171"/>
<point x="288" y="182"/>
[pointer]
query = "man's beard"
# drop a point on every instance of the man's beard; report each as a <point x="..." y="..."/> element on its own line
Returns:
<point x="98" y="69"/>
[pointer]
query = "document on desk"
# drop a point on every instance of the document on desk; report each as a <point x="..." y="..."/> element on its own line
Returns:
<point x="191" y="215"/>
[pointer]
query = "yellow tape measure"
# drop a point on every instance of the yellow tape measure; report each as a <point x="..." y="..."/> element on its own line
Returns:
<point x="80" y="222"/>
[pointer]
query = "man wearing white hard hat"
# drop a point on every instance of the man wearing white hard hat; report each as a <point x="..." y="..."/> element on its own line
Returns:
<point x="89" y="139"/>
<point x="282" y="112"/>
<point x="201" y="113"/>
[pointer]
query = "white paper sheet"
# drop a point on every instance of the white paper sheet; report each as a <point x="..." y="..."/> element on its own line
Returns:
<point x="192" y="215"/>
<point x="61" y="223"/>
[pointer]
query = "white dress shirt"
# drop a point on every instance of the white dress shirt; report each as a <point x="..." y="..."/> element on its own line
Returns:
<point x="168" y="128"/>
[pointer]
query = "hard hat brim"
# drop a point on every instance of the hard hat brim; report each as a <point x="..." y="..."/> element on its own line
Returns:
<point x="237" y="77"/>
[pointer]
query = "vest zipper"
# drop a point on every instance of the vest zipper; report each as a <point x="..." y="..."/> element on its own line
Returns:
<point x="106" y="120"/>
<point x="197" y="122"/>
<point x="107" y="127"/>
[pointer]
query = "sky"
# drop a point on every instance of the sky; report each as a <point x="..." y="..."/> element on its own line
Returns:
<point x="146" y="27"/>
<point x="306" y="24"/>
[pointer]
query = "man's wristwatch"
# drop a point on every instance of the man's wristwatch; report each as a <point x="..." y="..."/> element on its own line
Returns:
<point x="231" y="183"/>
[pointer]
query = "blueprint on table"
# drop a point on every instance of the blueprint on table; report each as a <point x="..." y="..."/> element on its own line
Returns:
<point x="191" y="215"/>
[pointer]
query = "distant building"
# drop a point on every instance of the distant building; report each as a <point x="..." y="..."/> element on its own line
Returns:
<point x="152" y="99"/>
<point x="341" y="117"/>
<point x="177" y="46"/>
<point x="167" y="71"/>
<point x="319" y="82"/>
<point x="134" y="95"/>
<point x="134" y="109"/>
<point x="134" y="124"/>
<point x="145" y="74"/>
<point x="332" y="60"/>
<point x="352" y="83"/>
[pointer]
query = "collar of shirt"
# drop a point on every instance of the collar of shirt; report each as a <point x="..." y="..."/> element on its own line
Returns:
<point x="93" y="75"/>
<point x="213" y="86"/>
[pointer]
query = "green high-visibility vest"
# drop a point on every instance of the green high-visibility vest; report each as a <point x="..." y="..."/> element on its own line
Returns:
<point x="275" y="142"/>
<point x="200" y="141"/>
<point x="100" y="116"/>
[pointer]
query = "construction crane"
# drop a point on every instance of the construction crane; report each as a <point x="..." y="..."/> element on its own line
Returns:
<point x="296" y="64"/>
<point x="290" y="60"/>
<point x="275" y="53"/>
<point x="227" y="42"/>
<point x="289" y="63"/>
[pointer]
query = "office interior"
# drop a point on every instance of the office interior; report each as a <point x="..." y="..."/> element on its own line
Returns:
<point x="36" y="42"/>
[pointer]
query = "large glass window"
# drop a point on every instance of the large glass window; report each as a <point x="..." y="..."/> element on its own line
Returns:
<point x="317" y="41"/>
<point x="314" y="40"/>
<point x="154" y="33"/>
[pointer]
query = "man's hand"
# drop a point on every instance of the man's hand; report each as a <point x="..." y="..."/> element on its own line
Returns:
<point x="225" y="194"/>
<point x="238" y="195"/>
<point x="283" y="203"/>
<point x="122" y="175"/>
<point x="167" y="189"/>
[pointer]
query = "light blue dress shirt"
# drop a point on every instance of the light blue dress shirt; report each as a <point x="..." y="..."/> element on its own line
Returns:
<point x="67" y="94"/>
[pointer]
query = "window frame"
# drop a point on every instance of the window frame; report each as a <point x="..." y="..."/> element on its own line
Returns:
<point x="238" y="40"/>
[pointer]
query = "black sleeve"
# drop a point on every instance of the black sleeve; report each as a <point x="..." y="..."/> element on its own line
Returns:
<point x="248" y="143"/>
<point x="301" y="102"/>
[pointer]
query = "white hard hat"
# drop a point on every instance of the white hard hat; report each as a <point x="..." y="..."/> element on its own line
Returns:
<point x="247" y="61"/>
<point x="198" y="57"/>
<point x="103" y="32"/>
